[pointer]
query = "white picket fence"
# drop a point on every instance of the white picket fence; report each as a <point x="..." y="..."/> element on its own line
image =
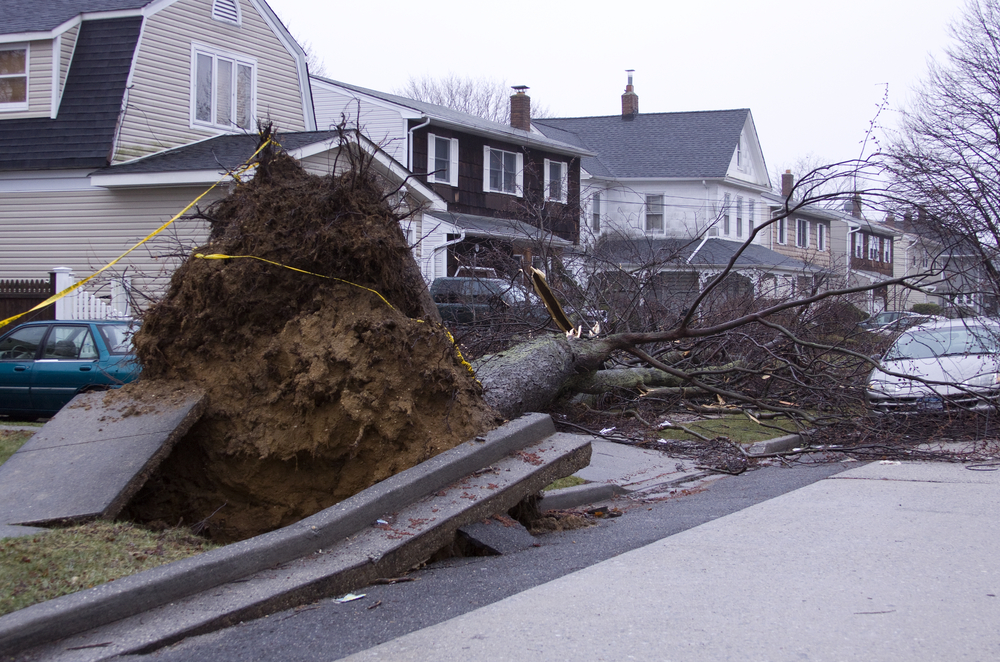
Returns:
<point x="82" y="305"/>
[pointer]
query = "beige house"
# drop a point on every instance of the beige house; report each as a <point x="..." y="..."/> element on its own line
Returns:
<point x="91" y="84"/>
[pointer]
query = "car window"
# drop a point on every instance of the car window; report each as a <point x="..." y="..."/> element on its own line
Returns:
<point x="70" y="342"/>
<point x="928" y="343"/>
<point x="22" y="345"/>
<point x="118" y="337"/>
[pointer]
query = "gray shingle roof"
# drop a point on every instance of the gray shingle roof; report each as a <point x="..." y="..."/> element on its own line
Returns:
<point x="227" y="152"/>
<point x="83" y="133"/>
<point x="472" y="123"/>
<point x="677" y="252"/>
<point x="660" y="145"/>
<point x="43" y="15"/>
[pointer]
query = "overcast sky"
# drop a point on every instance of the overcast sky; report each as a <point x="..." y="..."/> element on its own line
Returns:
<point x="813" y="74"/>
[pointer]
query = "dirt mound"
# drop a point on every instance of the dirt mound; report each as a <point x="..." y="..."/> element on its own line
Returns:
<point x="317" y="388"/>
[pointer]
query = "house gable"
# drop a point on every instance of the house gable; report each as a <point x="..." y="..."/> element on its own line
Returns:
<point x="747" y="162"/>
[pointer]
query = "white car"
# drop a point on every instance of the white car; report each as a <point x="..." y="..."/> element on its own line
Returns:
<point x="938" y="365"/>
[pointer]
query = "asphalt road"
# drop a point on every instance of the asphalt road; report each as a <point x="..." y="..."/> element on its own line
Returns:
<point x="327" y="630"/>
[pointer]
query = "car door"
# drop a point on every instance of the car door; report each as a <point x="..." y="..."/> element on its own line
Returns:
<point x="17" y="358"/>
<point x="67" y="363"/>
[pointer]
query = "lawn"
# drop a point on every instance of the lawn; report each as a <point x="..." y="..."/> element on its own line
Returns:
<point x="59" y="561"/>
<point x="739" y="429"/>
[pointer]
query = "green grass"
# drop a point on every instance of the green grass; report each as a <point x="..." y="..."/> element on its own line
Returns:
<point x="61" y="561"/>
<point x="10" y="441"/>
<point x="56" y="562"/>
<point x="739" y="429"/>
<point x="568" y="481"/>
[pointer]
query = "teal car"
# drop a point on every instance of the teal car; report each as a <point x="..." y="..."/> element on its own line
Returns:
<point x="43" y="365"/>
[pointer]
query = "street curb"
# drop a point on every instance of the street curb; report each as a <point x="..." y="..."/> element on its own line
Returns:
<point x="77" y="612"/>
<point x="777" y="445"/>
<point x="579" y="495"/>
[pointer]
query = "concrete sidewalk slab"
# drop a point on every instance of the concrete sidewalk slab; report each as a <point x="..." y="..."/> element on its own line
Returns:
<point x="842" y="569"/>
<point x="386" y="547"/>
<point x="148" y="590"/>
<point x="90" y="459"/>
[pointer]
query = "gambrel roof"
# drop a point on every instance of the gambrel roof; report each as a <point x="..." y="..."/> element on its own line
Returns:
<point x="83" y="134"/>
<point x="682" y="145"/>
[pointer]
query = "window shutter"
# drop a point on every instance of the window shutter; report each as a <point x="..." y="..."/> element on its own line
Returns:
<point x="486" y="168"/>
<point x="431" y="154"/>
<point x="547" y="181"/>
<point x="454" y="162"/>
<point x="564" y="170"/>
<point x="519" y="186"/>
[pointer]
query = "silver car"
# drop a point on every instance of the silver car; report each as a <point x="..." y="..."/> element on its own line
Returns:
<point x="930" y="367"/>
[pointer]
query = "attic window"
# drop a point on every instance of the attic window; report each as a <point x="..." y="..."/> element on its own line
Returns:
<point x="227" y="11"/>
<point x="14" y="77"/>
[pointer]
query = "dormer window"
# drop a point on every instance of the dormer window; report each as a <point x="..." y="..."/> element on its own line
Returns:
<point x="227" y="11"/>
<point x="13" y="77"/>
<point x="223" y="89"/>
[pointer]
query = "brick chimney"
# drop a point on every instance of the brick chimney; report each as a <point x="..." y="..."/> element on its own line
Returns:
<point x="520" y="108"/>
<point x="630" y="100"/>
<point x="856" y="206"/>
<point x="787" y="183"/>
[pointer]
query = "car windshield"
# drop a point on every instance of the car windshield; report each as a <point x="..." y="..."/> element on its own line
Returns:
<point x="957" y="340"/>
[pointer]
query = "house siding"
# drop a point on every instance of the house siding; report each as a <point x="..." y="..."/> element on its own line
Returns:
<point x="383" y="126"/>
<point x="86" y="229"/>
<point x="809" y="255"/>
<point x="158" y="115"/>
<point x="67" y="44"/>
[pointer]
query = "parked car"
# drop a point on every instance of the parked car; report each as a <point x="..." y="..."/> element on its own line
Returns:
<point x="885" y="317"/>
<point x="478" y="300"/>
<point x="43" y="365"/>
<point x="938" y="365"/>
<point x="904" y="323"/>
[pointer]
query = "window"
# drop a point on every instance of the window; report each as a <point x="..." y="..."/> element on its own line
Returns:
<point x="223" y="90"/>
<point x="801" y="233"/>
<point x="70" y="342"/>
<point x="742" y="154"/>
<point x="886" y="250"/>
<point x="13" y="77"/>
<point x="503" y="171"/>
<point x="595" y="213"/>
<point x="654" y="213"/>
<point x="873" y="251"/>
<point x="750" y="216"/>
<point x="442" y="160"/>
<point x="555" y="180"/>
<point x="227" y="11"/>
<point x="725" y="215"/>
<point x="739" y="216"/>
<point x="820" y="237"/>
<point x="782" y="231"/>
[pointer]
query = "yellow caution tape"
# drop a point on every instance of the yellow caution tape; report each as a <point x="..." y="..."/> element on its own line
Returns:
<point x="59" y="295"/>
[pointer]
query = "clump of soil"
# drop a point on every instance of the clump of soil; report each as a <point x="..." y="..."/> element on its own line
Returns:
<point x="317" y="388"/>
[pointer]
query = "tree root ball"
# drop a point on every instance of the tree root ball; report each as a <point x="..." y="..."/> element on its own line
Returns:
<point x="317" y="388"/>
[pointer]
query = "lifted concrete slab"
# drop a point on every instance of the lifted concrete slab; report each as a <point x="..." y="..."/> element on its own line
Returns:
<point x="89" y="460"/>
<point x="387" y="545"/>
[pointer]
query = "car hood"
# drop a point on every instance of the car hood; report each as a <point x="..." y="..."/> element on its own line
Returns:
<point x="962" y="372"/>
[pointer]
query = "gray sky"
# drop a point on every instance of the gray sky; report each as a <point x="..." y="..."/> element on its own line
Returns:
<point x="813" y="74"/>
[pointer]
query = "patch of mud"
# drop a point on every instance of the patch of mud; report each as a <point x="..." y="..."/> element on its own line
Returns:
<point x="316" y="388"/>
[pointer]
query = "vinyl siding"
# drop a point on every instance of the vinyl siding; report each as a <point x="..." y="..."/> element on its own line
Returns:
<point x="39" y="82"/>
<point x="67" y="46"/>
<point x="87" y="229"/>
<point x="383" y="126"/>
<point x="159" y="115"/>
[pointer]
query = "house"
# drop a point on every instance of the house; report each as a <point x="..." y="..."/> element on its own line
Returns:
<point x="90" y="84"/>
<point x="682" y="184"/>
<point x="513" y="195"/>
